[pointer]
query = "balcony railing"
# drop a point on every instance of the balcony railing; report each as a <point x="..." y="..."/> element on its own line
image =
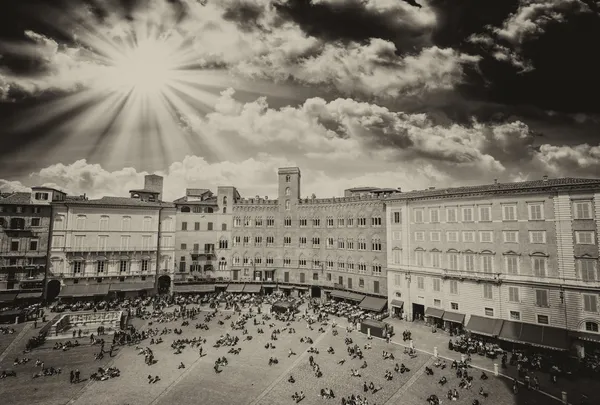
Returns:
<point x="90" y="249"/>
<point x="95" y="274"/>
<point x="472" y="275"/>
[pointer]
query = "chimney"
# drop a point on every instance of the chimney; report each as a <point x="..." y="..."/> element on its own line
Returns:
<point x="545" y="178"/>
<point x="154" y="183"/>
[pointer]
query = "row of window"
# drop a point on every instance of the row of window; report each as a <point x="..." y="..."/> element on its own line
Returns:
<point x="329" y="277"/>
<point x="343" y="265"/>
<point x="31" y="245"/>
<point x="197" y="227"/>
<point x="581" y="237"/>
<point x="590" y="301"/>
<point x="18" y="209"/>
<point x="515" y="315"/>
<point x="586" y="268"/>
<point x="375" y="244"/>
<point x="102" y="266"/>
<point x="303" y="222"/>
<point x="483" y="213"/>
<point x="79" y="242"/>
<point x="19" y="223"/>
<point x="105" y="223"/>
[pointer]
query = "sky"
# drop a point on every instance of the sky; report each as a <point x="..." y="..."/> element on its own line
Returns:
<point x="94" y="94"/>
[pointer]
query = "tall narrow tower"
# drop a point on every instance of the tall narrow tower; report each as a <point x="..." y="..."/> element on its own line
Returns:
<point x="289" y="187"/>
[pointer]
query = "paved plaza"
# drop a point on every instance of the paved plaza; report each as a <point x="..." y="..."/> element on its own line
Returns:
<point x="247" y="379"/>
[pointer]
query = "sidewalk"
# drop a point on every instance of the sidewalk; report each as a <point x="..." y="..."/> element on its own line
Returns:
<point x="425" y="340"/>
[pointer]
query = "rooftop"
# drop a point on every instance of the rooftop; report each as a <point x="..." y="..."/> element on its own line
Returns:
<point x="144" y="190"/>
<point x="123" y="201"/>
<point x="196" y="192"/>
<point x="16" y="198"/>
<point x="207" y="201"/>
<point x="496" y="187"/>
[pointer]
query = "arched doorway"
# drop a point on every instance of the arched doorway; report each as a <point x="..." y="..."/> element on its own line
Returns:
<point x="315" y="291"/>
<point x="53" y="289"/>
<point x="164" y="284"/>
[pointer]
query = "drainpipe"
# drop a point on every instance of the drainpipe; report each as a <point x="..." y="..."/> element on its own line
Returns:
<point x="48" y="246"/>
<point x="158" y="241"/>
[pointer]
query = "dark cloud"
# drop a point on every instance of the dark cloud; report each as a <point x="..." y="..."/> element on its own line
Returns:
<point x="352" y="21"/>
<point x="245" y="15"/>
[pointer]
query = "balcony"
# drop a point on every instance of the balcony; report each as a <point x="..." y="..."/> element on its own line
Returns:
<point x="472" y="275"/>
<point x="95" y="274"/>
<point x="89" y="249"/>
<point x="23" y="253"/>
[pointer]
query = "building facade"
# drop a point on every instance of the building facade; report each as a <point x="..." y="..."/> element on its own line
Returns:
<point x="110" y="244"/>
<point x="522" y="252"/>
<point x="203" y="234"/>
<point x="323" y="244"/>
<point x="24" y="234"/>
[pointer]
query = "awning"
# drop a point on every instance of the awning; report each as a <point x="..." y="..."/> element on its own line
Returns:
<point x="221" y="285"/>
<point x="434" y="312"/>
<point x="84" y="290"/>
<point x="8" y="296"/>
<point x="132" y="286"/>
<point x="455" y="317"/>
<point x="481" y="325"/>
<point x="301" y="287"/>
<point x="235" y="288"/>
<point x="193" y="288"/>
<point x="252" y="288"/>
<point x="25" y="295"/>
<point x="373" y="304"/>
<point x="587" y="336"/>
<point x="398" y="303"/>
<point x="535" y="335"/>
<point x="355" y="297"/>
<point x="286" y="287"/>
<point x="269" y="285"/>
<point x="339" y="294"/>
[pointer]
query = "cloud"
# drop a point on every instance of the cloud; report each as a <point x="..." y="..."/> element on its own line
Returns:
<point x="251" y="39"/>
<point x="580" y="160"/>
<point x="527" y="23"/>
<point x="338" y="144"/>
<point x="7" y="186"/>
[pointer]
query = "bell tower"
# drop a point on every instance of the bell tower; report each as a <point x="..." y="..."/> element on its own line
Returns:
<point x="289" y="187"/>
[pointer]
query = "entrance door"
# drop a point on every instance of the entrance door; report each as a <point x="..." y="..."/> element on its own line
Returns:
<point x="418" y="311"/>
<point x="315" y="291"/>
<point x="257" y="275"/>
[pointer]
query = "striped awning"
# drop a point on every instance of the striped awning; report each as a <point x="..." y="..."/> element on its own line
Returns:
<point x="84" y="290"/>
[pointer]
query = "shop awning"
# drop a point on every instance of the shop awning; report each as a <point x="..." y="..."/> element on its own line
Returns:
<point x="434" y="312"/>
<point x="8" y="296"/>
<point x="132" y="286"/>
<point x="534" y="335"/>
<point x="193" y="288"/>
<point x="221" y="285"/>
<point x="301" y="287"/>
<point x="455" y="317"/>
<point x="252" y="288"/>
<point x="355" y="297"/>
<point x="269" y="285"/>
<point x="587" y="336"/>
<point x="339" y="294"/>
<point x="84" y="290"/>
<point x="373" y="304"/>
<point x="26" y="295"/>
<point x="286" y="287"/>
<point x="398" y="303"/>
<point x="235" y="288"/>
<point x="481" y="325"/>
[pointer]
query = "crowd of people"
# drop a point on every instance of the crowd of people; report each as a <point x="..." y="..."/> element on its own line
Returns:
<point x="184" y="310"/>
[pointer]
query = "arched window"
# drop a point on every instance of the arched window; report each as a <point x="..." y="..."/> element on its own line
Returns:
<point x="287" y="205"/>
<point x="222" y="264"/>
<point x="287" y="191"/>
<point x="223" y="243"/>
<point x="591" y="326"/>
<point x="288" y="178"/>
<point x="209" y="210"/>
<point x="185" y="208"/>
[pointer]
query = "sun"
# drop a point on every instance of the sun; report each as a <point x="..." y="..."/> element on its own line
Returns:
<point x="146" y="68"/>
